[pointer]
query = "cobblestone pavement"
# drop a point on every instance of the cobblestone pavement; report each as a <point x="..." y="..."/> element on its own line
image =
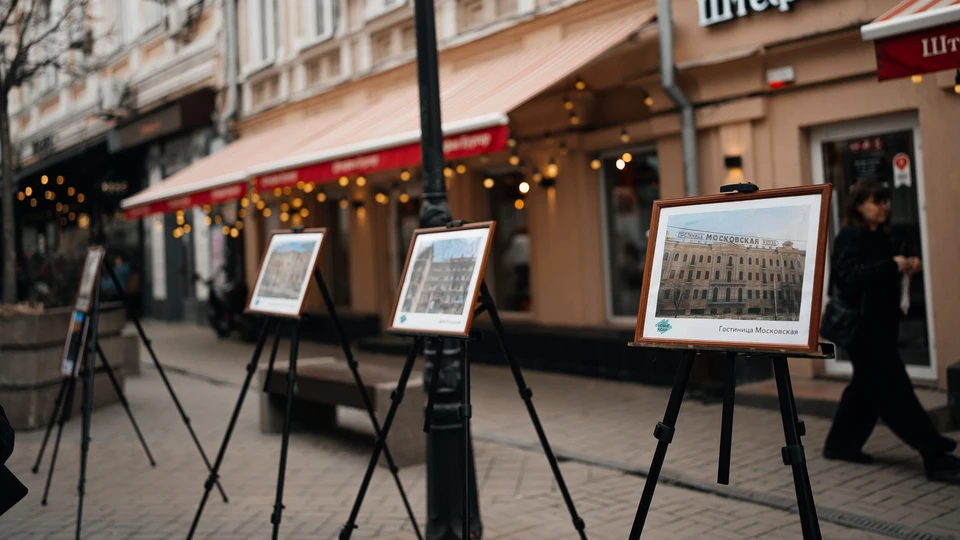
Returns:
<point x="603" y="426"/>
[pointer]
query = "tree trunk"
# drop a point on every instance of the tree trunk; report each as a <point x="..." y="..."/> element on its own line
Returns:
<point x="7" y="196"/>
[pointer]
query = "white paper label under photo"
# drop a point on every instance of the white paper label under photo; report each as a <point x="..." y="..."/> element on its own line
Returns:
<point x="735" y="272"/>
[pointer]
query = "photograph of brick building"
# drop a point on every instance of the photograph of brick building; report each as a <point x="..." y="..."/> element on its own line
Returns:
<point x="722" y="266"/>
<point x="287" y="267"/>
<point x="440" y="275"/>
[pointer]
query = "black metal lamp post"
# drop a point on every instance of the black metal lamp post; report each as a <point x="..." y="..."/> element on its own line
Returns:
<point x="443" y="358"/>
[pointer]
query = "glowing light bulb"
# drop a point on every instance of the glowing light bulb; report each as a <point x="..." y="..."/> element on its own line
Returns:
<point x="226" y="229"/>
<point x="648" y="101"/>
<point x="595" y="164"/>
<point x="343" y="181"/>
<point x="208" y="220"/>
<point x="404" y="198"/>
<point x="287" y="190"/>
<point x="579" y="84"/>
<point x="284" y="207"/>
<point x="461" y="168"/>
<point x="267" y="212"/>
<point x="21" y="196"/>
<point x="574" y="119"/>
<point x="321" y="197"/>
<point x="44" y="179"/>
<point x="621" y="164"/>
<point x="308" y="188"/>
<point x="297" y="202"/>
<point x="567" y="103"/>
<point x="514" y="160"/>
<point x="284" y="217"/>
<point x="304" y="212"/>
<point x="277" y="192"/>
<point x="244" y="202"/>
<point x="524" y="187"/>
<point x="361" y="181"/>
<point x="552" y="170"/>
<point x="626" y="157"/>
<point x="60" y="180"/>
<point x="29" y="191"/>
<point x="447" y="172"/>
<point x="405" y="175"/>
<point x="234" y="233"/>
<point x="917" y="79"/>
<point x="33" y="203"/>
<point x="186" y="228"/>
<point x="488" y="183"/>
<point x="518" y="204"/>
<point x="344" y="204"/>
<point x="624" y="136"/>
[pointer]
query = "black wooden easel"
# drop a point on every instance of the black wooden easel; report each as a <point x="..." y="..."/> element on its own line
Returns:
<point x="793" y="430"/>
<point x="63" y="405"/>
<point x="278" y="322"/>
<point x="486" y="304"/>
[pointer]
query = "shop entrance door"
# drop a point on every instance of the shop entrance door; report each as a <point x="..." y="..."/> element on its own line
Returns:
<point x="886" y="149"/>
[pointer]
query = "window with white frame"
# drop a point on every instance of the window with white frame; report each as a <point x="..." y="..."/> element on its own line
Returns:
<point x="317" y="19"/>
<point x="262" y="32"/>
<point x="376" y="8"/>
<point x="152" y="12"/>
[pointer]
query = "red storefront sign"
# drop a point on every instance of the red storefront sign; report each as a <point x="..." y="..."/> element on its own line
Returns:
<point x="213" y="196"/>
<point x="926" y="51"/>
<point x="475" y="143"/>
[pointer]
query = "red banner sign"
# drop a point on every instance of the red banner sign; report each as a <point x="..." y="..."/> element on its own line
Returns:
<point x="926" y="51"/>
<point x="213" y="196"/>
<point x="454" y="147"/>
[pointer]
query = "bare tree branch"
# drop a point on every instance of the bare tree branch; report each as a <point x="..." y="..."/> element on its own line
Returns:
<point x="6" y="16"/>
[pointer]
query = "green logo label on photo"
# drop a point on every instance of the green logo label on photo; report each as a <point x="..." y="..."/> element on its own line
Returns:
<point x="403" y="319"/>
<point x="663" y="326"/>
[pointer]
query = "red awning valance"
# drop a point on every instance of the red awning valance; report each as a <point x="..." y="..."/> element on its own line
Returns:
<point x="915" y="37"/>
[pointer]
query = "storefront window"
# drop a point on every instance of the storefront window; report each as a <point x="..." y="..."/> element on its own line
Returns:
<point x="408" y="220"/>
<point x="630" y="189"/>
<point x="509" y="261"/>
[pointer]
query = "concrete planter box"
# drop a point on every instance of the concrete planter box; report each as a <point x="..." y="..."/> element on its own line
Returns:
<point x="31" y="347"/>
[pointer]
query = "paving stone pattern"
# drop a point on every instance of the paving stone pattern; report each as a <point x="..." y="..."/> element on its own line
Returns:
<point x="598" y="422"/>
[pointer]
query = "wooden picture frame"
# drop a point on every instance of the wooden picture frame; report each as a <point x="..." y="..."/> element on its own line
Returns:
<point x="286" y="307"/>
<point x="740" y="325"/>
<point x="431" y="324"/>
<point x="89" y="278"/>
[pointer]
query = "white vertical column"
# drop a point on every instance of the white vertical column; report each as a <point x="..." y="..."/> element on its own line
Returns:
<point x="201" y="251"/>
<point x="154" y="230"/>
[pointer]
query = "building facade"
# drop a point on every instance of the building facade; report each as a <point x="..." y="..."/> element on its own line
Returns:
<point x="725" y="278"/>
<point x="589" y="141"/>
<point x="141" y="107"/>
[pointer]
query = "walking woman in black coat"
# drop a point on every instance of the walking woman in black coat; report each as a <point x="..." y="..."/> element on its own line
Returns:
<point x="867" y="271"/>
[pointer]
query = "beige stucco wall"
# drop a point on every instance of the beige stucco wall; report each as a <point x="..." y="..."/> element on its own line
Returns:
<point x="737" y="115"/>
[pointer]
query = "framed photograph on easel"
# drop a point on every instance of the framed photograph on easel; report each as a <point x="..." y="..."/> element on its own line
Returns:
<point x="441" y="280"/>
<point x="286" y="272"/>
<point x="91" y="272"/>
<point x="738" y="271"/>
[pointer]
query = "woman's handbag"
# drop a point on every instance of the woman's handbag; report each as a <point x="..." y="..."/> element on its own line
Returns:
<point x="840" y="322"/>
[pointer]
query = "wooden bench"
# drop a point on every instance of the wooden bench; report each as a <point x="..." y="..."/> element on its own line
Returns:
<point x="325" y="383"/>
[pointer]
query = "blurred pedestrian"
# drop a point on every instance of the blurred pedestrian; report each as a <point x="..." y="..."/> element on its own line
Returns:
<point x="868" y="272"/>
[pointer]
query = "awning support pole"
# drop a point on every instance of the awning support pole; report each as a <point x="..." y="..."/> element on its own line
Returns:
<point x="445" y="438"/>
<point x="668" y="80"/>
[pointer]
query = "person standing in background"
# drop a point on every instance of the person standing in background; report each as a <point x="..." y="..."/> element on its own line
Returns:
<point x="867" y="271"/>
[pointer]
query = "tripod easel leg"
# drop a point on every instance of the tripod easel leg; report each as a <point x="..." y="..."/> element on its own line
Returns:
<point x="726" y="422"/>
<point x="87" y="408"/>
<point x="354" y="370"/>
<point x="214" y="473"/>
<point x="163" y="375"/>
<point x="432" y="390"/>
<point x="65" y="411"/>
<point x="527" y="394"/>
<point x="664" y="434"/>
<point x="285" y="441"/>
<point x="395" y="398"/>
<point x="123" y="401"/>
<point x="793" y="454"/>
<point x="53" y="420"/>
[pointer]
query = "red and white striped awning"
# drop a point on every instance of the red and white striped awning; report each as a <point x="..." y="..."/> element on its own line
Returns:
<point x="383" y="133"/>
<point x="916" y="36"/>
